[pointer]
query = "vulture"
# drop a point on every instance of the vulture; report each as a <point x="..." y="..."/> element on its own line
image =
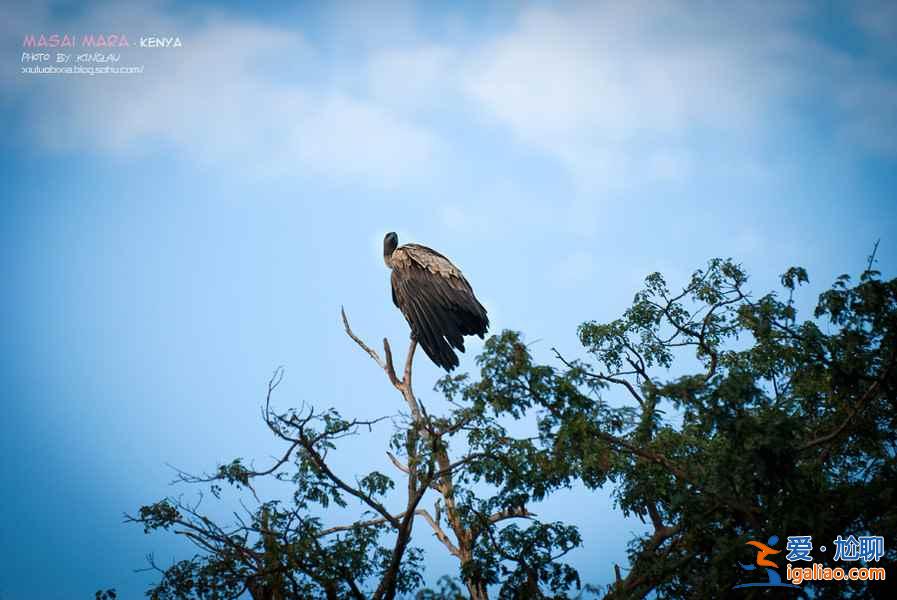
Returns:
<point x="435" y="299"/>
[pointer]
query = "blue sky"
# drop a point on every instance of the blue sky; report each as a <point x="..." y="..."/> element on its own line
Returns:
<point x="168" y="239"/>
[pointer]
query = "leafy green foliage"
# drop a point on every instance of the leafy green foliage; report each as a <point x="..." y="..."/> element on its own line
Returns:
<point x="449" y="589"/>
<point x="714" y="417"/>
<point x="781" y="429"/>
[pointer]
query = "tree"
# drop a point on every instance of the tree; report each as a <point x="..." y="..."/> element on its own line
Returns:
<point x="278" y="550"/>
<point x="770" y="427"/>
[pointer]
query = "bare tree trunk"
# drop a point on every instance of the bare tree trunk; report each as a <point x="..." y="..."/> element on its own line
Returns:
<point x="418" y="482"/>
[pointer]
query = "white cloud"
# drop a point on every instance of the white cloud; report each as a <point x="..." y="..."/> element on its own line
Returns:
<point x="362" y="25"/>
<point x="620" y="91"/>
<point x="465" y="220"/>
<point x="870" y="107"/>
<point x="226" y="97"/>
<point x="413" y="78"/>
<point x="350" y="139"/>
<point x="596" y="84"/>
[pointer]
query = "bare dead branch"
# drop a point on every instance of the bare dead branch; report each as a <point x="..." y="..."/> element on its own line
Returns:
<point x="440" y="534"/>
<point x="371" y="352"/>
<point x="408" y="362"/>
<point x="398" y="465"/>
<point x="390" y="368"/>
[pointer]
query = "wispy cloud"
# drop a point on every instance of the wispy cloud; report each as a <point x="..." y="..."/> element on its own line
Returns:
<point x="613" y="90"/>
<point x="223" y="102"/>
<point x="869" y="105"/>
<point x="465" y="221"/>
<point x="622" y="92"/>
<point x="413" y="78"/>
<point x="619" y="93"/>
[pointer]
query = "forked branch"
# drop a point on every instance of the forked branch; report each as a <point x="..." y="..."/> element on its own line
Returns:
<point x="403" y="384"/>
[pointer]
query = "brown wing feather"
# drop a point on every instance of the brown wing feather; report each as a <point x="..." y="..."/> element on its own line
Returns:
<point x="437" y="301"/>
<point x="426" y="324"/>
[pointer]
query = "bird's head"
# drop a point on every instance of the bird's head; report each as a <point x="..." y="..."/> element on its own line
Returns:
<point x="390" y="243"/>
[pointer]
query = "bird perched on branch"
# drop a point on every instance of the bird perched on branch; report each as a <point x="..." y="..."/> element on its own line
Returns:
<point x="435" y="299"/>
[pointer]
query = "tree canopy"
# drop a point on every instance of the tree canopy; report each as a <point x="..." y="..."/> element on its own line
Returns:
<point x="714" y="416"/>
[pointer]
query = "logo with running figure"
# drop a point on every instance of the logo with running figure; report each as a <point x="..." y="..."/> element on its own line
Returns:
<point x="773" y="577"/>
